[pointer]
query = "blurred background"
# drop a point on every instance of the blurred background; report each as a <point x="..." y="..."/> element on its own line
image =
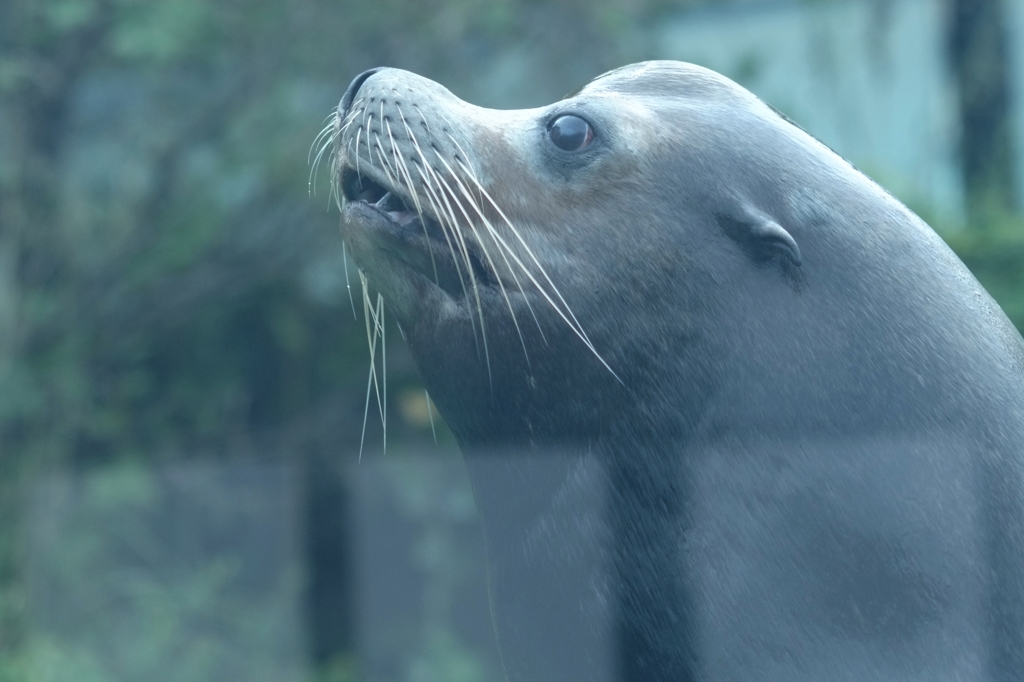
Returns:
<point x="183" y="377"/>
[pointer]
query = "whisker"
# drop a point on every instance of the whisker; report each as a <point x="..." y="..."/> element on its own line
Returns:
<point x="434" y="201"/>
<point x="425" y="176"/>
<point x="430" y="415"/>
<point x="446" y="223"/>
<point x="348" y="283"/>
<point x="359" y="132"/>
<point x="460" y="239"/>
<point x="450" y="227"/>
<point x="383" y="372"/>
<point x="574" y="324"/>
<point x="328" y="142"/>
<point x="350" y="117"/>
<point x="502" y="247"/>
<point x="525" y="246"/>
<point x="486" y="253"/>
<point x="373" y="367"/>
<point x="326" y="130"/>
<point x="377" y="316"/>
<point x="399" y="162"/>
<point x="492" y="233"/>
<point x="365" y="125"/>
<point x="385" y="164"/>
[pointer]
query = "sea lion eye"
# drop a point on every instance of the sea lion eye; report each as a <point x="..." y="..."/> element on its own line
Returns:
<point x="570" y="133"/>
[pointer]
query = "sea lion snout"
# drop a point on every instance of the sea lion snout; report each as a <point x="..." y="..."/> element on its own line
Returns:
<point x="346" y="100"/>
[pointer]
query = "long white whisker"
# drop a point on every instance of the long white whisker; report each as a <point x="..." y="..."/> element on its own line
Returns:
<point x="574" y="323"/>
<point x="492" y="231"/>
<point x="373" y="366"/>
<point x="430" y="415"/>
<point x="432" y="196"/>
<point x="328" y="142"/>
<point x="326" y="131"/>
<point x="576" y="326"/>
<point x="426" y="175"/>
<point x="460" y="238"/>
<point x="386" y="165"/>
<point x="446" y="222"/>
<point x="377" y="317"/>
<point x="336" y="181"/>
<point x="350" y="117"/>
<point x="400" y="163"/>
<point x="348" y="283"/>
<point x="450" y="226"/>
<point x="400" y="166"/>
<point x="502" y="247"/>
<point x="486" y="253"/>
<point x="383" y="372"/>
<point x="453" y="221"/>
<point x="365" y="125"/>
<point x="359" y="132"/>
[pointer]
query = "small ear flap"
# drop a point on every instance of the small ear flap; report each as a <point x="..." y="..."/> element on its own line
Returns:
<point x="761" y="236"/>
<point x="776" y="238"/>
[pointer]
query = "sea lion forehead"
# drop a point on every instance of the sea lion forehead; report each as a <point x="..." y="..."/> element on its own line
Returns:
<point x="664" y="80"/>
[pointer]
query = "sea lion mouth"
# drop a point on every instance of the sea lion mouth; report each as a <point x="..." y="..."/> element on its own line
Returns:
<point x="357" y="188"/>
<point x="416" y="229"/>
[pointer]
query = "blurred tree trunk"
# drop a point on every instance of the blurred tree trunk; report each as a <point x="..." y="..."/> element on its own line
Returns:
<point x="976" y="43"/>
<point x="35" y="91"/>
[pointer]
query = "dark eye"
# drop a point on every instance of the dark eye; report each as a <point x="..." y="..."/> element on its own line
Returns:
<point x="570" y="133"/>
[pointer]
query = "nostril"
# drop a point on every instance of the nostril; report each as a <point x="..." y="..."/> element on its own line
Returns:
<point x="353" y="88"/>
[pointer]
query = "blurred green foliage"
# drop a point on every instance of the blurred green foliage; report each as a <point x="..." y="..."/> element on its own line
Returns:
<point x="994" y="252"/>
<point x="125" y="586"/>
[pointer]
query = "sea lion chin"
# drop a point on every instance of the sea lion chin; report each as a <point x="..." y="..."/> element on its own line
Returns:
<point x="730" y="411"/>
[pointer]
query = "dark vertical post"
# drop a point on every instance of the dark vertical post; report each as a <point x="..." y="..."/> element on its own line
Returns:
<point x="977" y="44"/>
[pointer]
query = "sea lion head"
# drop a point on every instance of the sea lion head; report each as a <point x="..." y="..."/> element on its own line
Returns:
<point x="544" y="263"/>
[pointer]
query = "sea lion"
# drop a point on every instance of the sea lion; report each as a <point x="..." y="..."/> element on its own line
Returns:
<point x="730" y="411"/>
